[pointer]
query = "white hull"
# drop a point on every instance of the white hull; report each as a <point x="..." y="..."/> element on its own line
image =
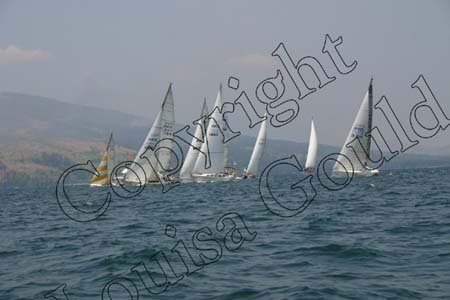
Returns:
<point x="103" y="185"/>
<point x="368" y="173"/>
<point x="212" y="177"/>
<point x="150" y="183"/>
<point x="98" y="185"/>
<point x="186" y="180"/>
<point x="374" y="172"/>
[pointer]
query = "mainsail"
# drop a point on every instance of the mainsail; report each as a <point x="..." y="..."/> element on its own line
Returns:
<point x="106" y="165"/>
<point x="358" y="155"/>
<point x="166" y="134"/>
<point x="162" y="128"/>
<point x="255" y="159"/>
<point x="226" y="136"/>
<point x="196" y="144"/>
<point x="214" y="144"/>
<point x="311" y="157"/>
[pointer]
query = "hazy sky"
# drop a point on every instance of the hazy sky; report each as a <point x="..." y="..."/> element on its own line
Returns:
<point x="122" y="54"/>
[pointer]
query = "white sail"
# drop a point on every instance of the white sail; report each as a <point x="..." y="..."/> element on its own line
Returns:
<point x="162" y="127"/>
<point x="141" y="165"/>
<point x="166" y="134"/>
<point x="213" y="144"/>
<point x="358" y="156"/>
<point x="258" y="150"/>
<point x="311" y="158"/>
<point x="196" y="144"/>
<point x="225" y="137"/>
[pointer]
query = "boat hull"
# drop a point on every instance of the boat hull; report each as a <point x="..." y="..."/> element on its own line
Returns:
<point x="202" y="178"/>
<point x="368" y="173"/>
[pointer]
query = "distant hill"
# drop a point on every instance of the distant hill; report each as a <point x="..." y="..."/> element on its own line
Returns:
<point x="35" y="118"/>
<point x="40" y="137"/>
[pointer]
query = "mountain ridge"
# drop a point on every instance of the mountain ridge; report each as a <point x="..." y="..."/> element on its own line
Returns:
<point x="40" y="137"/>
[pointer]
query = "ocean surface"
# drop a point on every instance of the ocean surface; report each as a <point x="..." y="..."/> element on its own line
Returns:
<point x="385" y="237"/>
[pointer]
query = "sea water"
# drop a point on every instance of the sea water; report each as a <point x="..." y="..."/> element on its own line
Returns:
<point x="384" y="237"/>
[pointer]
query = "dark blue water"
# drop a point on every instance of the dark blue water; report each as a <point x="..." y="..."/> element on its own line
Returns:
<point x="385" y="237"/>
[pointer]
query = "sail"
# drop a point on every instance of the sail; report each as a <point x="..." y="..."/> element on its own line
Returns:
<point x="105" y="166"/>
<point x="162" y="128"/>
<point x="196" y="144"/>
<point x="253" y="165"/>
<point x="141" y="165"/>
<point x="311" y="158"/>
<point x="166" y="133"/>
<point x="358" y="156"/>
<point x="102" y="170"/>
<point x="111" y="148"/>
<point x="225" y="137"/>
<point x="213" y="144"/>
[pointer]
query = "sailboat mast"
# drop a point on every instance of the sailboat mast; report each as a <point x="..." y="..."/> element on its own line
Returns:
<point x="109" y="141"/>
<point x="110" y="149"/>
<point x="225" y="132"/>
<point x="369" y="140"/>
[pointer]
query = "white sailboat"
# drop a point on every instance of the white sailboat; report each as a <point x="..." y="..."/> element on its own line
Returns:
<point x="358" y="157"/>
<point x="161" y="129"/>
<point x="311" y="158"/>
<point x="253" y="166"/>
<point x="193" y="152"/>
<point x="213" y="166"/>
<point x="105" y="166"/>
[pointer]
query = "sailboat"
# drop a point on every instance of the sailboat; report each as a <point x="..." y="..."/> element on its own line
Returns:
<point x="311" y="158"/>
<point x="105" y="166"/>
<point x="252" y="169"/>
<point x="159" y="133"/>
<point x="212" y="167"/>
<point x="196" y="144"/>
<point x="357" y="157"/>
